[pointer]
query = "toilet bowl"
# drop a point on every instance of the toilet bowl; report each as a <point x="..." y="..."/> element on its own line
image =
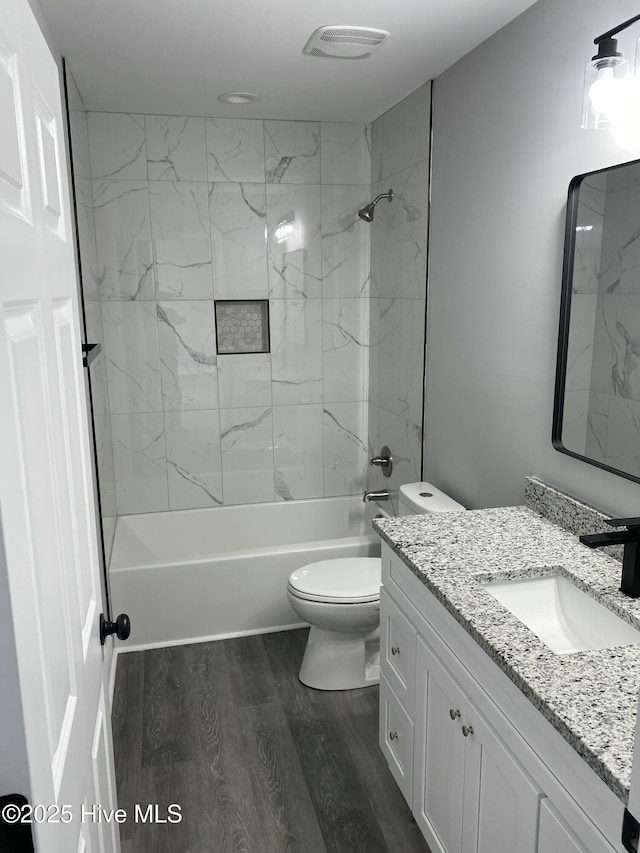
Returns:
<point x="340" y="599"/>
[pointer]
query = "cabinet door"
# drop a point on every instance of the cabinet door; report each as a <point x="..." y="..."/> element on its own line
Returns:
<point x="555" y="836"/>
<point x="396" y="738"/>
<point x="439" y="756"/>
<point x="397" y="649"/>
<point x="501" y="802"/>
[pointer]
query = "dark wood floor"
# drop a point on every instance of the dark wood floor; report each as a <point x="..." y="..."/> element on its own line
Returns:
<point x="258" y="762"/>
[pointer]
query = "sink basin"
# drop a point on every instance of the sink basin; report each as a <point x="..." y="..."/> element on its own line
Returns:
<point x="564" y="617"/>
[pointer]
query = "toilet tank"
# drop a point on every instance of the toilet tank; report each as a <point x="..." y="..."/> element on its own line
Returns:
<point x="423" y="498"/>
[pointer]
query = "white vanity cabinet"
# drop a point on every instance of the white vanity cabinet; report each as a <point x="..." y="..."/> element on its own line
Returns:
<point x="473" y="781"/>
<point x="470" y="794"/>
<point x="441" y="711"/>
<point x="396" y="738"/>
<point x="397" y="693"/>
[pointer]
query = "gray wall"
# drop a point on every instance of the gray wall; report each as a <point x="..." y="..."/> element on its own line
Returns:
<point x="506" y="143"/>
<point x="39" y="15"/>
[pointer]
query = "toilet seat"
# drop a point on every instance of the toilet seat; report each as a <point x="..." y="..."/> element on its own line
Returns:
<point x="329" y="599"/>
<point x="354" y="580"/>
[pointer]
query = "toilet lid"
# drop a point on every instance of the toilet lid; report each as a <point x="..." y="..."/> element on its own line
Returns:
<point x="356" y="579"/>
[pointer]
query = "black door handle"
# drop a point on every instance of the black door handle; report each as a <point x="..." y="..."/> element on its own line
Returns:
<point x="89" y="353"/>
<point x="121" y="627"/>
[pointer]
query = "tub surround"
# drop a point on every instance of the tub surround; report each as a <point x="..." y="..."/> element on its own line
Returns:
<point x="88" y="271"/>
<point x="589" y="697"/>
<point x="400" y="147"/>
<point x="191" y="210"/>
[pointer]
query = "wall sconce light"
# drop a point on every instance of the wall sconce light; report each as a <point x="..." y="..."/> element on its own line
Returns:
<point x="608" y="86"/>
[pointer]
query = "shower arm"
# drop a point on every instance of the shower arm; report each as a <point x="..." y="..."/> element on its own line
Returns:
<point x="388" y="195"/>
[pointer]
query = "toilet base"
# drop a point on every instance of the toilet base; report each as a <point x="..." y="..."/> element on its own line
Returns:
<point x="335" y="660"/>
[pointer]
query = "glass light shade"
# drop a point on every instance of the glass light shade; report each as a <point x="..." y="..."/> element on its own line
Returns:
<point x="606" y="93"/>
<point x="628" y="133"/>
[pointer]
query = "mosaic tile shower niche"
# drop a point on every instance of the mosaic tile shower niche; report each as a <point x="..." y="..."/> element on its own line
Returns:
<point x="201" y="226"/>
<point x="242" y="326"/>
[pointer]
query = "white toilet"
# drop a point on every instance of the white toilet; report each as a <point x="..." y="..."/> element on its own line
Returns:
<point x="341" y="601"/>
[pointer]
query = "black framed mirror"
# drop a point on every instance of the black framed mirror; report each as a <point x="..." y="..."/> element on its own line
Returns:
<point x="597" y="398"/>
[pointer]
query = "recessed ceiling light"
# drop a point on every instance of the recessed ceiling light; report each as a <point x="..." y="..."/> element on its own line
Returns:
<point x="238" y="97"/>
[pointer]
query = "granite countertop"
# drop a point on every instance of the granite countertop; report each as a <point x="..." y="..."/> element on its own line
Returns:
<point x="589" y="697"/>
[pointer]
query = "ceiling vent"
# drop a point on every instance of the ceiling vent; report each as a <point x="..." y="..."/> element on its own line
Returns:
<point x="344" y="42"/>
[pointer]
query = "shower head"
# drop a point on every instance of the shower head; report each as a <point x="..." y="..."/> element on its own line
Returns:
<point x="366" y="213"/>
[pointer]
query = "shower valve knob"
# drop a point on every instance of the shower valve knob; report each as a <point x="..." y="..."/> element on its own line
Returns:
<point x="379" y="460"/>
<point x="384" y="461"/>
<point x="121" y="627"/>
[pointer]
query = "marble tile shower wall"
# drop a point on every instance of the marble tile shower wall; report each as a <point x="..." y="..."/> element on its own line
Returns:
<point x="400" y="161"/>
<point x="614" y="403"/>
<point x="602" y="398"/>
<point x="188" y="210"/>
<point x="576" y="430"/>
<point x="79" y="132"/>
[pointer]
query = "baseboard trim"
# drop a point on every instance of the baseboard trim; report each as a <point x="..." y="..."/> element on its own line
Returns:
<point x="141" y="647"/>
<point x="112" y="675"/>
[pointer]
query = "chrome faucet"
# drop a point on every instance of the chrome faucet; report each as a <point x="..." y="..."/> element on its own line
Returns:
<point x="630" y="538"/>
<point x="375" y="496"/>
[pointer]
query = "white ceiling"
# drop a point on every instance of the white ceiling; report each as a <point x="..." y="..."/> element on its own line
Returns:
<point x="174" y="57"/>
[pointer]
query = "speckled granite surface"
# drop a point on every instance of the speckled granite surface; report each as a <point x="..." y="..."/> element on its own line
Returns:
<point x="568" y="512"/>
<point x="589" y="697"/>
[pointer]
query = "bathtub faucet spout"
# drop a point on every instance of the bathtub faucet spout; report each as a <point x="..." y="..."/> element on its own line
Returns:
<point x="375" y="496"/>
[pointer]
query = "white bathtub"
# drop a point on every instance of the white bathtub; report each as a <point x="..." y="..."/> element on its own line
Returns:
<point x="200" y="574"/>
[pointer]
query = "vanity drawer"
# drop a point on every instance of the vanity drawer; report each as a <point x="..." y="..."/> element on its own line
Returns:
<point x="397" y="649"/>
<point x="396" y="738"/>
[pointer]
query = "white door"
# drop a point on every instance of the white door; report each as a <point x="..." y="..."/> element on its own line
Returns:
<point x="46" y="513"/>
